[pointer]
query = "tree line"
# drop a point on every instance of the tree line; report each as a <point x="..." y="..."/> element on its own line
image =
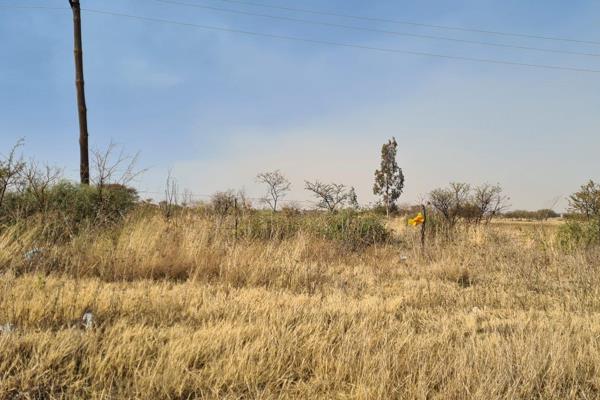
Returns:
<point x="454" y="203"/>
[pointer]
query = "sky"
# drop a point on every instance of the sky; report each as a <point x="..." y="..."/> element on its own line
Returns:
<point x="214" y="108"/>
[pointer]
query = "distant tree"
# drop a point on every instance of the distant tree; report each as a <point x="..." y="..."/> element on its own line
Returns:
<point x="389" y="178"/>
<point x="461" y="201"/>
<point x="542" y="214"/>
<point x="451" y="201"/>
<point x="224" y="203"/>
<point x="546" y="213"/>
<point x="331" y="196"/>
<point x="489" y="201"/>
<point x="353" y="199"/>
<point x="277" y="187"/>
<point x="461" y="193"/>
<point x="587" y="200"/>
<point x="443" y="201"/>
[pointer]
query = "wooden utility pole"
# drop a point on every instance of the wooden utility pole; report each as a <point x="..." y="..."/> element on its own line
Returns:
<point x="84" y="156"/>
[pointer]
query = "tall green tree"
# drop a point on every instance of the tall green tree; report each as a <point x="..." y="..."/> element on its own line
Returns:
<point x="587" y="200"/>
<point x="389" y="178"/>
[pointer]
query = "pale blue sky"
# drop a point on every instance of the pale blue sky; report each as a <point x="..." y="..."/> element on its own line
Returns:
<point x="218" y="107"/>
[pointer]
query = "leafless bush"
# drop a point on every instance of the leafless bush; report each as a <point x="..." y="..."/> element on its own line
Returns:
<point x="112" y="170"/>
<point x="171" y="201"/>
<point x="11" y="169"/>
<point x="187" y="198"/>
<point x="38" y="181"/>
<point x="450" y="201"/>
<point x="244" y="203"/>
<point x="277" y="187"/>
<point x="489" y="201"/>
<point x="331" y="196"/>
<point x="461" y="201"/>
<point x="110" y="167"/>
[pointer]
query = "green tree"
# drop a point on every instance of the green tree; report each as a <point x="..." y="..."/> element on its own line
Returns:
<point x="389" y="178"/>
<point x="587" y="200"/>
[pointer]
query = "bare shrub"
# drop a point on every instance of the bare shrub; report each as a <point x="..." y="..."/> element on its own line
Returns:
<point x="450" y="201"/>
<point x="489" y="201"/>
<point x="171" y="201"/>
<point x="11" y="169"/>
<point x="461" y="201"/>
<point x="331" y="196"/>
<point x="39" y="181"/>
<point x="112" y="167"/>
<point x="277" y="187"/>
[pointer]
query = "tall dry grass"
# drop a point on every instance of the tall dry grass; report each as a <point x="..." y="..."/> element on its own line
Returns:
<point x="185" y="310"/>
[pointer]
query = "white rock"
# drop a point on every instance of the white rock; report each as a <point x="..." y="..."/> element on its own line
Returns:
<point x="87" y="320"/>
<point x="7" y="328"/>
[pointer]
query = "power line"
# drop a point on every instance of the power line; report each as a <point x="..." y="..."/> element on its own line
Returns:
<point x="412" y="23"/>
<point x="388" y="32"/>
<point x="328" y="43"/>
<point x="299" y="20"/>
<point x="33" y="7"/>
<point x="340" y="44"/>
<point x="379" y="19"/>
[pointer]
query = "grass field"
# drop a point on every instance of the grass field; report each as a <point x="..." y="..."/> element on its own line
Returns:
<point x="183" y="310"/>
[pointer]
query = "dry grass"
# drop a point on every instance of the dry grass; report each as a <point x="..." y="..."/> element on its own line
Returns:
<point x="183" y="311"/>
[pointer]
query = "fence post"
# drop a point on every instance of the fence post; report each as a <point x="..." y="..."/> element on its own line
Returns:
<point x="423" y="225"/>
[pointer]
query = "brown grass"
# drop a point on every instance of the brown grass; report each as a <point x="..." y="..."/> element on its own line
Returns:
<point x="183" y="311"/>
